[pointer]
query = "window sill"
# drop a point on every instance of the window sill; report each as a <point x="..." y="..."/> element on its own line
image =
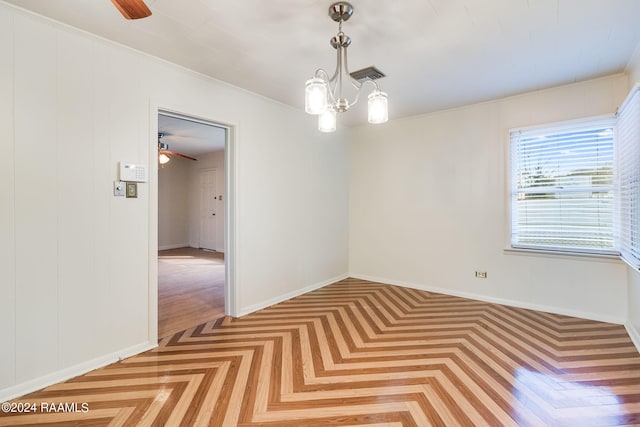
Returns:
<point x="562" y="254"/>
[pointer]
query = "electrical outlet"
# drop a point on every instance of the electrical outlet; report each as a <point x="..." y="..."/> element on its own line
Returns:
<point x="481" y="274"/>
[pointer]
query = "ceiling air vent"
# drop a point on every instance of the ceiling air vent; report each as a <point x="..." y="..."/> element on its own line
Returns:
<point x="369" y="73"/>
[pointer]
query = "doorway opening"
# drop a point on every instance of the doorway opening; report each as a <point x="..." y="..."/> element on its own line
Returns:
<point x="192" y="227"/>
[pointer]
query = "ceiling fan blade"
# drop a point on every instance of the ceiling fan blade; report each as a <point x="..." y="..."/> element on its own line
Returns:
<point x="175" y="153"/>
<point x="132" y="9"/>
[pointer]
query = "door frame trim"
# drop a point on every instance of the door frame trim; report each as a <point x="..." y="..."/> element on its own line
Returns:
<point x="230" y="178"/>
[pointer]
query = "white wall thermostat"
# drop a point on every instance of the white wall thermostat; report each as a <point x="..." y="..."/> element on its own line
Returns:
<point x="132" y="172"/>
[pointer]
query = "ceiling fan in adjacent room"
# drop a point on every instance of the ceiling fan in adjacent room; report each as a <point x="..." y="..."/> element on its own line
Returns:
<point x="164" y="154"/>
<point x="132" y="9"/>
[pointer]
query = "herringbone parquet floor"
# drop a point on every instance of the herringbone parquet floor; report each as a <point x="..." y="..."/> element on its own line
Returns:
<point x="357" y="353"/>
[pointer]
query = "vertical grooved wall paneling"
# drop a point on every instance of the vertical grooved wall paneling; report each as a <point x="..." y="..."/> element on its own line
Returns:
<point x="7" y="220"/>
<point x="36" y="198"/>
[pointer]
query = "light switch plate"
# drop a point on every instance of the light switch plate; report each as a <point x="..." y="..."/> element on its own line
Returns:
<point x="118" y="188"/>
<point x="131" y="190"/>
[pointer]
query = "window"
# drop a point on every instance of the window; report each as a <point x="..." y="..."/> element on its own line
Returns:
<point x="628" y="143"/>
<point x="562" y="179"/>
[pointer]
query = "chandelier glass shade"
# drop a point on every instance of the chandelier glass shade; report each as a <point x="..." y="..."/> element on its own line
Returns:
<point x="324" y="95"/>
<point x="316" y="96"/>
<point x="378" y="107"/>
<point x="327" y="121"/>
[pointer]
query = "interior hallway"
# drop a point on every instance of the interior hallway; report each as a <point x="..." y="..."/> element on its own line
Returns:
<point x="190" y="288"/>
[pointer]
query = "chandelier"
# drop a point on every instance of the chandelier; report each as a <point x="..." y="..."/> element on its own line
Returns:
<point x="324" y="95"/>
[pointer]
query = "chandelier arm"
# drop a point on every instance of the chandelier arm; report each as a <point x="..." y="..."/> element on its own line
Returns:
<point x="322" y="74"/>
<point x="355" y="101"/>
<point x="336" y="73"/>
<point x="340" y="76"/>
<point x="331" y="91"/>
<point x="373" y="82"/>
<point x="360" y="85"/>
<point x="346" y="64"/>
<point x="356" y="84"/>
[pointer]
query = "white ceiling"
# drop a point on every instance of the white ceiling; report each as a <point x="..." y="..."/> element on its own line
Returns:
<point x="437" y="54"/>
<point x="193" y="138"/>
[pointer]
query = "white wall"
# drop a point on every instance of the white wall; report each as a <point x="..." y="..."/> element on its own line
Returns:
<point x="428" y="206"/>
<point x="633" y="67"/>
<point x="76" y="275"/>
<point x="7" y="205"/>
<point x="173" y="204"/>
<point x="633" y="322"/>
<point x="214" y="160"/>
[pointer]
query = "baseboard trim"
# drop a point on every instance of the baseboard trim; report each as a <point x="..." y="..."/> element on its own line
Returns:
<point x="479" y="297"/>
<point x="634" y="334"/>
<point x="72" y="371"/>
<point x="289" y="295"/>
<point x="166" y="247"/>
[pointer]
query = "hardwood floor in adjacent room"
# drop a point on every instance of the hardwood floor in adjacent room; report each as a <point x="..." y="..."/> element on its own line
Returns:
<point x="190" y="288"/>
<point x="363" y="353"/>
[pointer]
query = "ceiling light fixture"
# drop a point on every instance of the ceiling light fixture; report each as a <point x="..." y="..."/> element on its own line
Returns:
<point x="162" y="156"/>
<point x="323" y="94"/>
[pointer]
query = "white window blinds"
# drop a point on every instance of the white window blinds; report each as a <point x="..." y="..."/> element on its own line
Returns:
<point x="628" y="140"/>
<point x="563" y="187"/>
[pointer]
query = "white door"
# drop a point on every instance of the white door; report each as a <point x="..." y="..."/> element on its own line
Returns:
<point x="208" y="204"/>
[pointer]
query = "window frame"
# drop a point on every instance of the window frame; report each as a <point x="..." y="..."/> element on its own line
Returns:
<point x="510" y="247"/>
<point x="629" y="178"/>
